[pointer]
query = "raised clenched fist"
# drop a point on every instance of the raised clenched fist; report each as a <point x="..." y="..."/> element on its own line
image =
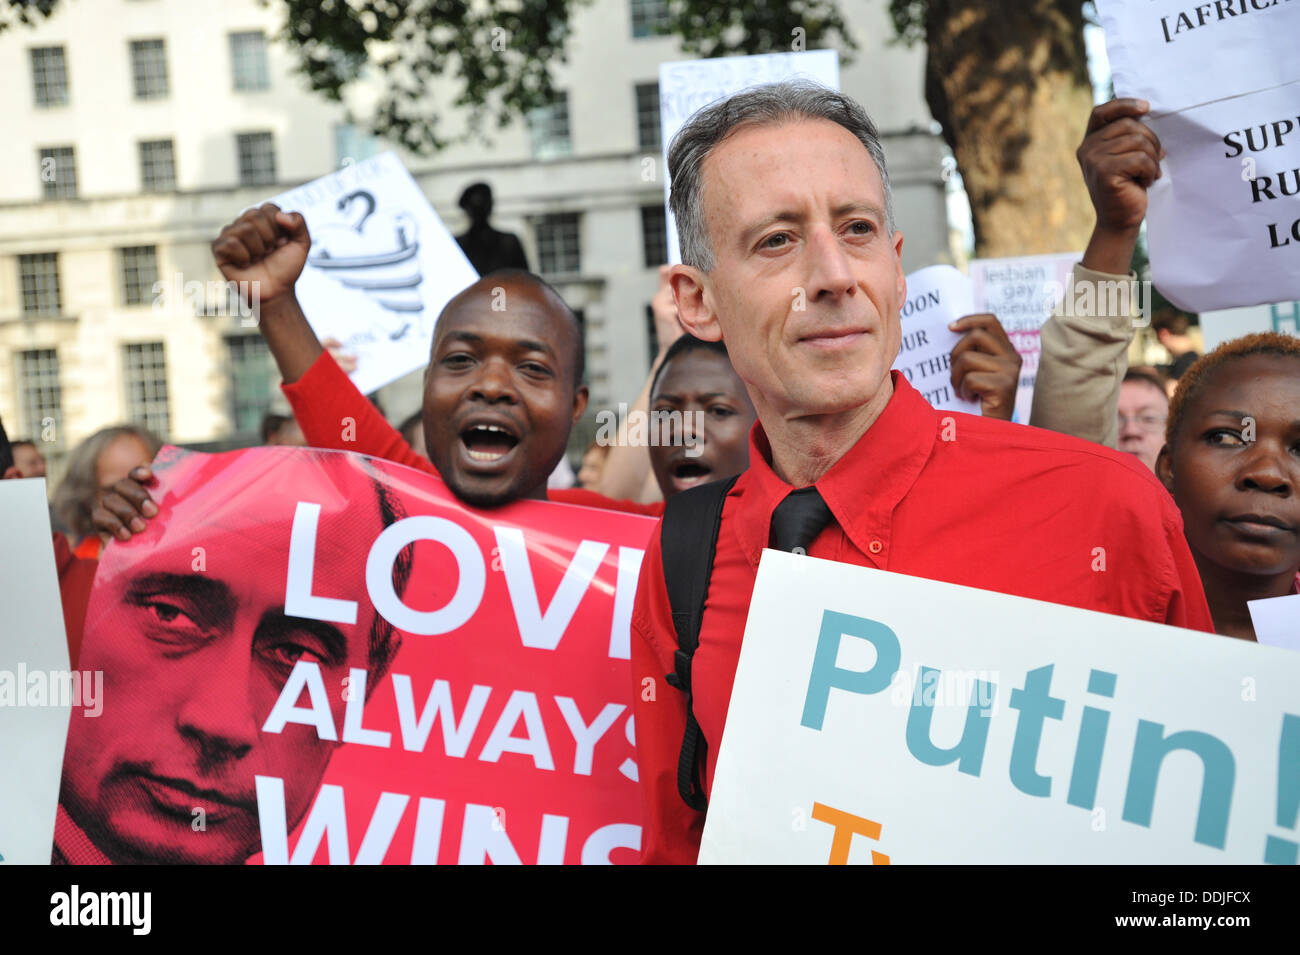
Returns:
<point x="265" y="247"/>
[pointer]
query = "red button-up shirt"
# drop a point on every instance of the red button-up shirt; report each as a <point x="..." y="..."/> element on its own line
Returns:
<point x="947" y="496"/>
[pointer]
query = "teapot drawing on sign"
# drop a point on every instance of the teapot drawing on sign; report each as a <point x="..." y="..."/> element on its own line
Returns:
<point x="375" y="254"/>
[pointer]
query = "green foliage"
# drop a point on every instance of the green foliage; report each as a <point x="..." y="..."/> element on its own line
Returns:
<point x="499" y="54"/>
<point x="707" y="28"/>
<point x="26" y="12"/>
<point x="496" y="56"/>
<point x="909" y="19"/>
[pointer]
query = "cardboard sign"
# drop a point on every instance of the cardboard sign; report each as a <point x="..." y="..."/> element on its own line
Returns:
<point x="382" y="266"/>
<point x="1022" y="292"/>
<point x="881" y="718"/>
<point x="686" y="86"/>
<point x="1223" y="221"/>
<point x="936" y="295"/>
<point x="37" y="690"/>
<point x="313" y="656"/>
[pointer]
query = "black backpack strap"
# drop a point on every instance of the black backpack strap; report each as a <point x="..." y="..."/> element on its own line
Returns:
<point x="688" y="565"/>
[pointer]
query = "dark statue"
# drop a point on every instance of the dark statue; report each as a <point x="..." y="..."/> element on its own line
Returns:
<point x="485" y="247"/>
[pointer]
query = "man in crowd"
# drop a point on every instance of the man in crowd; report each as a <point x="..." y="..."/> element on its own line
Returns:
<point x="195" y="646"/>
<point x="1172" y="328"/>
<point x="28" y="459"/>
<point x="1143" y="411"/>
<point x="502" y="389"/>
<point x="784" y="188"/>
<point x="501" y="392"/>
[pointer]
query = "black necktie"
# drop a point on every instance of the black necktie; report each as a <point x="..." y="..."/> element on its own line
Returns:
<point x="798" y="519"/>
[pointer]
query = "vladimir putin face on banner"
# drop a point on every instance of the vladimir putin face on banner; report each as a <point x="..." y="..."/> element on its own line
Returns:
<point x="188" y="625"/>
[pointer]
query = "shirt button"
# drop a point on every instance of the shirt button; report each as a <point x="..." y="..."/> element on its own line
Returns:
<point x="875" y="547"/>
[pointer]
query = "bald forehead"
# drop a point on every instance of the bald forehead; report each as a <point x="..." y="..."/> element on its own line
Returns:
<point x="510" y="283"/>
<point x="489" y="305"/>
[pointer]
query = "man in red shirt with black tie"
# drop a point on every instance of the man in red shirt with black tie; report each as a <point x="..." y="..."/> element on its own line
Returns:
<point x="790" y="256"/>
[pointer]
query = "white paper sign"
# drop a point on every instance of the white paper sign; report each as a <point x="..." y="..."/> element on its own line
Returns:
<point x="1276" y="621"/>
<point x="381" y="268"/>
<point x="1220" y="327"/>
<point x="1022" y="292"/>
<point x="1178" y="53"/>
<point x="686" y="86"/>
<point x="880" y="717"/>
<point x="1223" y="222"/>
<point x="936" y="295"/>
<point x="34" y="710"/>
<point x="1223" y="80"/>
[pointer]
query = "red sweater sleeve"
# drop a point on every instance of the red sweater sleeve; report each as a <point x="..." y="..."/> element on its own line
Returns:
<point x="333" y="414"/>
<point x="670" y="830"/>
<point x="76" y="577"/>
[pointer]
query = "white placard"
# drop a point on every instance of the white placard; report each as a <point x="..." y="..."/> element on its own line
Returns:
<point x="1276" y="621"/>
<point x="381" y="268"/>
<point x="685" y="86"/>
<point x="33" y="665"/>
<point x="1178" y="53"/>
<point x="1223" y="222"/>
<point x="1220" y="327"/>
<point x="931" y="723"/>
<point x="936" y="295"/>
<point x="1223" y="80"/>
<point x="1022" y="292"/>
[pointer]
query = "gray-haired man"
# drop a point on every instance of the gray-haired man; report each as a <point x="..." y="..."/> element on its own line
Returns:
<point x="791" y="257"/>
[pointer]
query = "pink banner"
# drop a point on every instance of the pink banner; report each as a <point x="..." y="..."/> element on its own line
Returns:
<point x="313" y="656"/>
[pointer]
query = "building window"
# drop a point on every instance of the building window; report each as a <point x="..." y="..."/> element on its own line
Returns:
<point x="157" y="166"/>
<point x="252" y="376"/>
<point x="138" y="266"/>
<point x="649" y="17"/>
<point x="548" y="127"/>
<point x="647" y="118"/>
<point x="38" y="278"/>
<point x="654" y="235"/>
<point x="49" y="76"/>
<point x="149" y="68"/>
<point x="145" y="367"/>
<point x="40" y="397"/>
<point x="59" y="172"/>
<point x="352" y="144"/>
<point x="558" y="248"/>
<point x="248" y="62"/>
<point x="256" y="159"/>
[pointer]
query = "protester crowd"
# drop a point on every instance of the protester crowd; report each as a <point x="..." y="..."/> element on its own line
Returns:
<point x="792" y="424"/>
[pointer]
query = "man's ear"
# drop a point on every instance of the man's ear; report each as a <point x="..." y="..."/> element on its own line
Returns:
<point x="694" y="303"/>
<point x="580" y="398"/>
<point x="1165" y="469"/>
<point x="901" y="279"/>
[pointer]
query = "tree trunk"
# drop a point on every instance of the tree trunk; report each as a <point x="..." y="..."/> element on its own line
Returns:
<point x="1012" y="93"/>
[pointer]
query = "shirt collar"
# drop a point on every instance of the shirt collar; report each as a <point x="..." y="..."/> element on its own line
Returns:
<point x="862" y="488"/>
